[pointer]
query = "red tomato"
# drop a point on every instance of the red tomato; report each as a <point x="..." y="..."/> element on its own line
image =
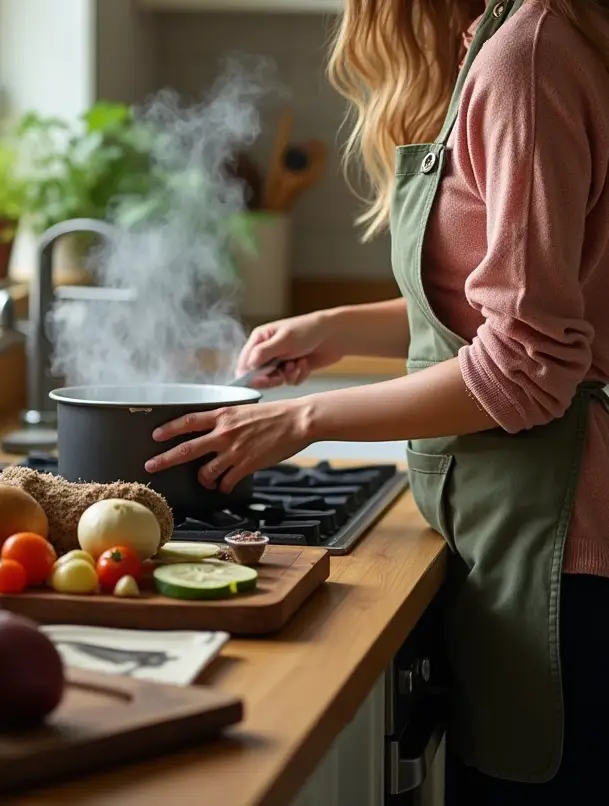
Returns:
<point x="116" y="563"/>
<point x="33" y="552"/>
<point x="13" y="578"/>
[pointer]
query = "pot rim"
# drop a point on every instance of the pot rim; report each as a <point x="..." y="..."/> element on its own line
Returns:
<point x="93" y="395"/>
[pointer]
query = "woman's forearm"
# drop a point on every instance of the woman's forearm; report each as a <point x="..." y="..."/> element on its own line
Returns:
<point x="434" y="402"/>
<point x="375" y="329"/>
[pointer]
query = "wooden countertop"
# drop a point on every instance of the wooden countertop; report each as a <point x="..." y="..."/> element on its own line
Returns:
<point x="300" y="687"/>
<point x="20" y="293"/>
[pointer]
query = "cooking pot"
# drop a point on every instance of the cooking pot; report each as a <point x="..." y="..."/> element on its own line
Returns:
<point x="105" y="435"/>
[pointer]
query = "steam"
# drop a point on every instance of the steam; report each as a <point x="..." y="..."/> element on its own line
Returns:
<point x="170" y="252"/>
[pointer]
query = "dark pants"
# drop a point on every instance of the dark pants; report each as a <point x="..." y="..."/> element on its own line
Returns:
<point x="583" y="778"/>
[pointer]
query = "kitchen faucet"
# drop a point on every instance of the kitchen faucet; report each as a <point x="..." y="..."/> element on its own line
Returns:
<point x="41" y="411"/>
<point x="40" y="417"/>
<point x="9" y="335"/>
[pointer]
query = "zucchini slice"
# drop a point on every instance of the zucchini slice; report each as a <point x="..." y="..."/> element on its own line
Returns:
<point x="212" y="579"/>
<point x="186" y="551"/>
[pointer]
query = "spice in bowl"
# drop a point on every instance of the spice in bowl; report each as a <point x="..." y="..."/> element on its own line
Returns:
<point x="247" y="547"/>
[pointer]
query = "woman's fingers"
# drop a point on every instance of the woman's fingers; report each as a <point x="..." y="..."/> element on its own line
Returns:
<point x="264" y="345"/>
<point x="270" y="381"/>
<point x="232" y="478"/>
<point x="295" y="372"/>
<point x="270" y="349"/>
<point x="238" y="441"/>
<point x="184" y="452"/>
<point x="188" y="424"/>
<point x="292" y="373"/>
<point x="275" y="342"/>
<point x="304" y="370"/>
<point x="210" y="472"/>
<point x="257" y="335"/>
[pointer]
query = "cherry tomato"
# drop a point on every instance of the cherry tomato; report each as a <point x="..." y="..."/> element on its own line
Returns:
<point x="33" y="552"/>
<point x="13" y="578"/>
<point x="116" y="563"/>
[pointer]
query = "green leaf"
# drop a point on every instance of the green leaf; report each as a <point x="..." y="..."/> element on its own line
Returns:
<point x="12" y="186"/>
<point x="106" y="165"/>
<point x="79" y="168"/>
<point x="32" y="121"/>
<point x="105" y="116"/>
<point x="243" y="234"/>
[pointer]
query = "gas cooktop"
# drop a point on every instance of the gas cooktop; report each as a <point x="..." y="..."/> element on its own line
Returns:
<point x="296" y="506"/>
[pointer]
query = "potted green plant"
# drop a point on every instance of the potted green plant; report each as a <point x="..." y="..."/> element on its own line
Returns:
<point x="12" y="190"/>
<point x="113" y="165"/>
<point x="78" y="169"/>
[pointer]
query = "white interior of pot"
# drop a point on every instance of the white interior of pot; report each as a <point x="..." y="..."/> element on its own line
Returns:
<point x="168" y="394"/>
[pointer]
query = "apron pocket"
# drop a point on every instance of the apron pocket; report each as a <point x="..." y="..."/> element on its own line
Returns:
<point x="428" y="475"/>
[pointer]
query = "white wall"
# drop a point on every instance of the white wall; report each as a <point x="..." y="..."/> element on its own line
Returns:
<point x="46" y="59"/>
<point x="47" y="65"/>
<point x="58" y="56"/>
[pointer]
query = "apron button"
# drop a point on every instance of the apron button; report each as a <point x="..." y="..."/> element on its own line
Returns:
<point x="428" y="163"/>
<point x="499" y="10"/>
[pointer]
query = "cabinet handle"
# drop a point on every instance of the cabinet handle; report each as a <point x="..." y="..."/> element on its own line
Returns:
<point x="411" y="757"/>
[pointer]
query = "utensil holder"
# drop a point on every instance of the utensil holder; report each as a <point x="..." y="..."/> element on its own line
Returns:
<point x="264" y="269"/>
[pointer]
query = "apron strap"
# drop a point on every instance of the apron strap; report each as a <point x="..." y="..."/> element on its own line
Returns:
<point x="595" y="390"/>
<point x="494" y="17"/>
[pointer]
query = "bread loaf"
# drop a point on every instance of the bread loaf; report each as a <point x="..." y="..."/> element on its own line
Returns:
<point x="65" y="501"/>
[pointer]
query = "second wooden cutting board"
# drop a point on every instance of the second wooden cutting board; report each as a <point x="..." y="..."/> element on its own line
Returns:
<point x="106" y="720"/>
<point x="288" y="575"/>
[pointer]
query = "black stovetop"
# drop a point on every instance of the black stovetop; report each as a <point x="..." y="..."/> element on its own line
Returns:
<point x="314" y="506"/>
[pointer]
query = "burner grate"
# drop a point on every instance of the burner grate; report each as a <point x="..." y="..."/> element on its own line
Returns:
<point x="301" y="506"/>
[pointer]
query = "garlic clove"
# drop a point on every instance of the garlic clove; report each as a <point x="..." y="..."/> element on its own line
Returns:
<point x="126" y="587"/>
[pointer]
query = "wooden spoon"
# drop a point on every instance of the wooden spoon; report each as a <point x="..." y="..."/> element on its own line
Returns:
<point x="282" y="141"/>
<point x="302" y="166"/>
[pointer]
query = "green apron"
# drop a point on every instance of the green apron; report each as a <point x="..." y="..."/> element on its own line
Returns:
<point x="503" y="503"/>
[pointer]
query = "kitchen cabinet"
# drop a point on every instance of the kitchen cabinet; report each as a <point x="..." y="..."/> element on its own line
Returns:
<point x="282" y="6"/>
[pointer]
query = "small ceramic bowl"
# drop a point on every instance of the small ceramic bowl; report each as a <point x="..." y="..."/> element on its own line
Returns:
<point x="247" y="547"/>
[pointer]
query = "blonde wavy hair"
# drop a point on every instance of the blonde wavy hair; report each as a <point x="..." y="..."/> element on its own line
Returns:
<point x="397" y="61"/>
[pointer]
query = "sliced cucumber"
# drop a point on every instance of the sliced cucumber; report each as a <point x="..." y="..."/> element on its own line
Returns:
<point x="178" y="551"/>
<point x="212" y="579"/>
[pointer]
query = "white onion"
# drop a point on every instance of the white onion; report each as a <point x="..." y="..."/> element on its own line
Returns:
<point x="116" y="522"/>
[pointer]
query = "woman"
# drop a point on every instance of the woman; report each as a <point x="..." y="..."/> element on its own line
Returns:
<point x="500" y="234"/>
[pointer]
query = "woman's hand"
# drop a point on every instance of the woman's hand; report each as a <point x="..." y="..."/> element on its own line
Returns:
<point x="317" y="340"/>
<point x="244" y="439"/>
<point x="301" y="344"/>
<point x="434" y="402"/>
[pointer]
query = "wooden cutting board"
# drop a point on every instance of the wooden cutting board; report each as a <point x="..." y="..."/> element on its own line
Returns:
<point x="287" y="576"/>
<point x="106" y="720"/>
